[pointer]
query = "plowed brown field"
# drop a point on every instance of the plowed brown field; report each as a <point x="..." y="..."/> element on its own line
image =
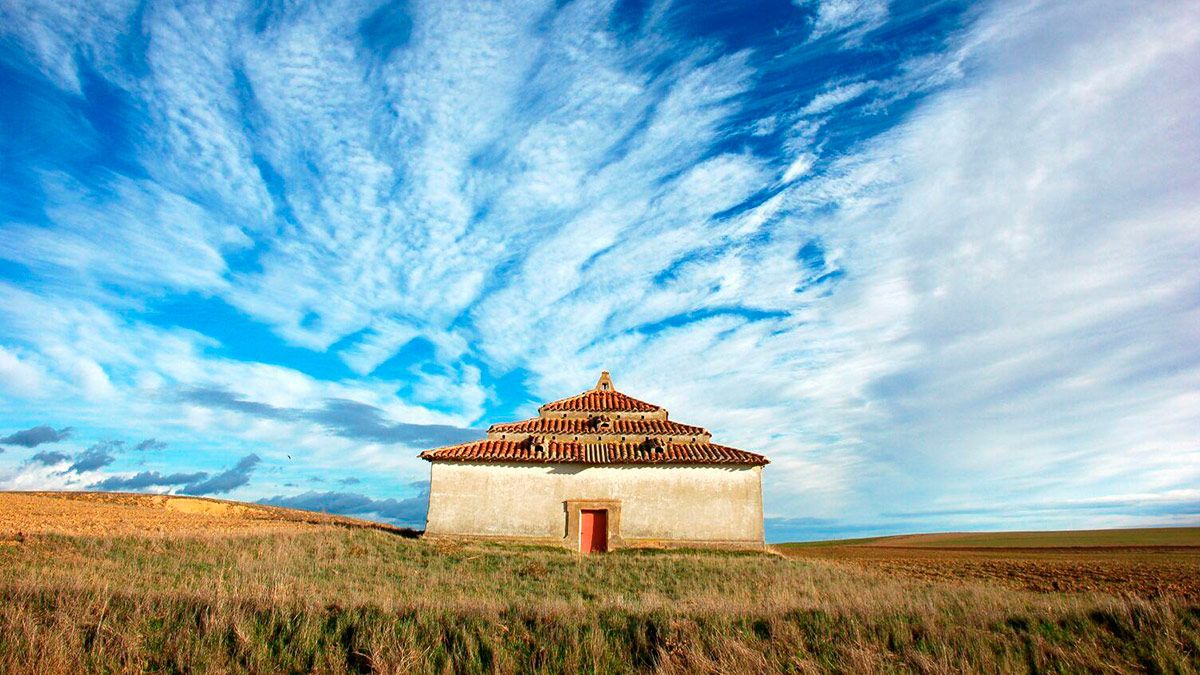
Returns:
<point x="104" y="514"/>
<point x="1146" y="563"/>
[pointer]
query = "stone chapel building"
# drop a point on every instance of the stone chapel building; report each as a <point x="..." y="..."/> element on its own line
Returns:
<point x="594" y="472"/>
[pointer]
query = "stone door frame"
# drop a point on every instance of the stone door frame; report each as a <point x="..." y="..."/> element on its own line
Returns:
<point x="572" y="508"/>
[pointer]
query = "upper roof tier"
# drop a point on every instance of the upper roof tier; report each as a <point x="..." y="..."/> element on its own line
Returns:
<point x="597" y="425"/>
<point x="601" y="398"/>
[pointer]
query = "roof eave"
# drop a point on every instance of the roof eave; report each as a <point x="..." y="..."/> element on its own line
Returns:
<point x="431" y="456"/>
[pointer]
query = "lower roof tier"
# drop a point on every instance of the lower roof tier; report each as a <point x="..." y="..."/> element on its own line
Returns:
<point x="568" y="452"/>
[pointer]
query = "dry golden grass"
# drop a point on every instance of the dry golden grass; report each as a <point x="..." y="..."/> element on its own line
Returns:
<point x="319" y="598"/>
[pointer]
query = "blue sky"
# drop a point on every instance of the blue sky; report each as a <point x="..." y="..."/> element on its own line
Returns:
<point x="939" y="261"/>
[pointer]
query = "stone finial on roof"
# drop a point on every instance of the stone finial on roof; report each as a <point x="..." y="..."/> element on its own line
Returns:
<point x="605" y="382"/>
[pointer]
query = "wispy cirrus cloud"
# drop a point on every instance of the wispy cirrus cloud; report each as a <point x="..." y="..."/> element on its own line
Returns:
<point x="851" y="19"/>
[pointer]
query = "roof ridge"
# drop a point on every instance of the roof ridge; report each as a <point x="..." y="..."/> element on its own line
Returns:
<point x="585" y="425"/>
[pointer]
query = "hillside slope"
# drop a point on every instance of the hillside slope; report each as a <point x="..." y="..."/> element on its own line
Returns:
<point x="114" y="514"/>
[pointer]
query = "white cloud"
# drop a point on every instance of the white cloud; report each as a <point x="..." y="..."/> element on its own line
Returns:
<point x="851" y="18"/>
<point x="92" y="379"/>
<point x="19" y="377"/>
<point x="106" y="371"/>
<point x="799" y="167"/>
<point x="835" y="96"/>
<point x="198" y="146"/>
<point x="139" y="236"/>
<point x="57" y="33"/>
<point x="1039" y="248"/>
<point x="35" y="476"/>
<point x="378" y="345"/>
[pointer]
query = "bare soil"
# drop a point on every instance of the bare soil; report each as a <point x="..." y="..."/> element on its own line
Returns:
<point x="1111" y="561"/>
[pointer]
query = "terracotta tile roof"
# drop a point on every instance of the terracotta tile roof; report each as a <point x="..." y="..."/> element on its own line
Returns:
<point x="582" y="425"/>
<point x="598" y="400"/>
<point x="525" y="452"/>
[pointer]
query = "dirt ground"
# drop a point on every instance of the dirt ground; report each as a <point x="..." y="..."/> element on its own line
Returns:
<point x="102" y="513"/>
<point x="1141" y="570"/>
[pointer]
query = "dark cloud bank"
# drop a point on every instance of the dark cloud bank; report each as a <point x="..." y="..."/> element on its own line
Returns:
<point x="49" y="457"/>
<point x="197" y="483"/>
<point x="96" y="457"/>
<point x="150" y="444"/>
<point x="225" y="481"/>
<point x="104" y="453"/>
<point x="348" y="419"/>
<point x="408" y="512"/>
<point x="147" y="479"/>
<point x="31" y="438"/>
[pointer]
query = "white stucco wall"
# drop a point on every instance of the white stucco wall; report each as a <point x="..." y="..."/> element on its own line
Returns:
<point x="658" y="503"/>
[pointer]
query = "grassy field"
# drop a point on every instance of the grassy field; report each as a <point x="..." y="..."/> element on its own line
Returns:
<point x="333" y="597"/>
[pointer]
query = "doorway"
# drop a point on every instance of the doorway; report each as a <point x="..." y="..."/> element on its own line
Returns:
<point x="593" y="531"/>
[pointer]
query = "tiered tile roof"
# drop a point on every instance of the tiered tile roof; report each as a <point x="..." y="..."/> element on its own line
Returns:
<point x="599" y="426"/>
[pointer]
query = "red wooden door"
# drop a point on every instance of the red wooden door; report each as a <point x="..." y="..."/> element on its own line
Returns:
<point x="593" y="531"/>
